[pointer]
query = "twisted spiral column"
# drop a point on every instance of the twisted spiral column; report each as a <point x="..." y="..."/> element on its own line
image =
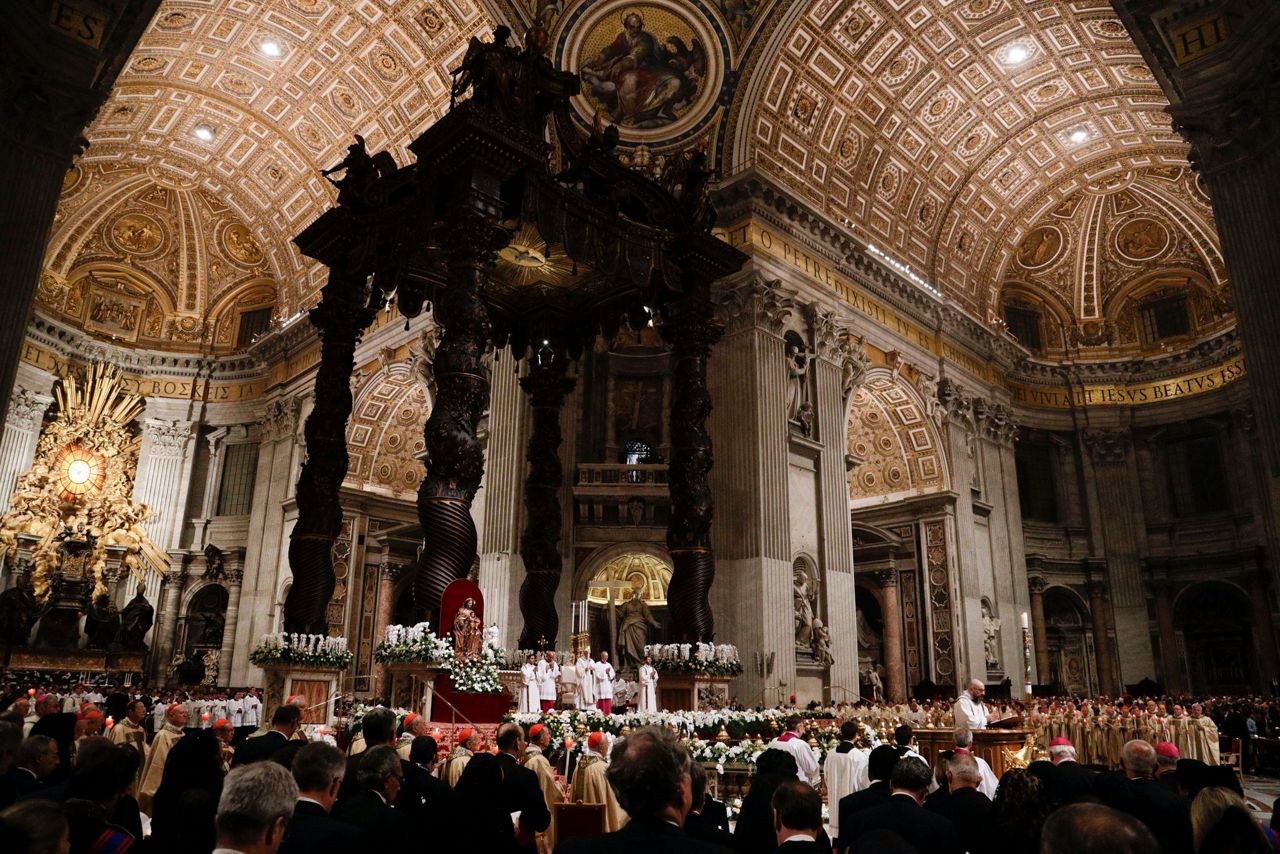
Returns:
<point x="341" y="318"/>
<point x="455" y="456"/>
<point x="691" y="331"/>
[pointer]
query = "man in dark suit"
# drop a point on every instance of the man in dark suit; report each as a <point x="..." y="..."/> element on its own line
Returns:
<point x="649" y="771"/>
<point x="378" y="776"/>
<point x="965" y="807"/>
<point x="318" y="770"/>
<point x="61" y="727"/>
<point x="284" y="723"/>
<point x="880" y="765"/>
<point x="434" y="794"/>
<point x="520" y="791"/>
<point x="1137" y="793"/>
<point x="379" y="728"/>
<point x="1070" y="782"/>
<point x="33" y="766"/>
<point x="797" y="819"/>
<point x="903" y="815"/>
<point x="698" y="823"/>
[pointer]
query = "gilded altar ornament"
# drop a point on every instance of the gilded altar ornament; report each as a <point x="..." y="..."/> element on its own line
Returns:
<point x="80" y="485"/>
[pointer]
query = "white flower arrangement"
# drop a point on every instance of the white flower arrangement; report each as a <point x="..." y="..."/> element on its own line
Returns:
<point x="701" y="658"/>
<point x="301" y="649"/>
<point x="416" y="644"/>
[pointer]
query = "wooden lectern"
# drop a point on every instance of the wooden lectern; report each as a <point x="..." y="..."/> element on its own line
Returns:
<point x="993" y="745"/>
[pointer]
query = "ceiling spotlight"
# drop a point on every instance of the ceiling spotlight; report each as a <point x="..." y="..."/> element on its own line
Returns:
<point x="271" y="47"/>
<point x="204" y="133"/>
<point x="1079" y="135"/>
<point x="1017" y="54"/>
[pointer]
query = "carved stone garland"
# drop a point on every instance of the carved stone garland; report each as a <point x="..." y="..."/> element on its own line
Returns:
<point x="547" y="384"/>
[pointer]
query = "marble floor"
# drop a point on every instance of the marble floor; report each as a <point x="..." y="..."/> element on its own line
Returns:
<point x="1261" y="793"/>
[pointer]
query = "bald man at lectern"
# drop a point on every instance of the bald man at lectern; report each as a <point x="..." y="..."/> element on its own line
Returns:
<point x="970" y="712"/>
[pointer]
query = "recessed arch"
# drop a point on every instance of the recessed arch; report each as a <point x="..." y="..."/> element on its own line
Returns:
<point x="893" y="432"/>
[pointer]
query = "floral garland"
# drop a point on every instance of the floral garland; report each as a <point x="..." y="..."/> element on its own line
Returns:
<point x="302" y="650"/>
<point x="703" y="659"/>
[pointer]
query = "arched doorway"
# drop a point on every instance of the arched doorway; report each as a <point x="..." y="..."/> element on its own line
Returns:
<point x="614" y="622"/>
<point x="1070" y="642"/>
<point x="1214" y="619"/>
<point x="202" y="642"/>
<point x="870" y="624"/>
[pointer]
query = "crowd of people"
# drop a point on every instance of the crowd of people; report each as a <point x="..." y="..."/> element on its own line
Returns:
<point x="108" y="769"/>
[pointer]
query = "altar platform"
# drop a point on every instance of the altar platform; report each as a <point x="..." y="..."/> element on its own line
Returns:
<point x="994" y="745"/>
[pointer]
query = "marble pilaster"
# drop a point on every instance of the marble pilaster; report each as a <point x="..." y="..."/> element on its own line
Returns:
<point x="751" y="535"/>
<point x="1107" y="682"/>
<point x="1039" y="635"/>
<point x="232" y="577"/>
<point x="164" y="477"/>
<point x="21" y="435"/>
<point x="896" y="684"/>
<point x="1119" y="526"/>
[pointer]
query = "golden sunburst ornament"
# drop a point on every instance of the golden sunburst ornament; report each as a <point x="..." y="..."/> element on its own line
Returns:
<point x="80" y="472"/>
<point x="528" y="260"/>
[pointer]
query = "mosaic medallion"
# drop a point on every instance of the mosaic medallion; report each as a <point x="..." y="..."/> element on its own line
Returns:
<point x="1141" y="239"/>
<point x="1040" y="248"/>
<point x="137" y="235"/>
<point x="653" y="69"/>
<point x="239" y="245"/>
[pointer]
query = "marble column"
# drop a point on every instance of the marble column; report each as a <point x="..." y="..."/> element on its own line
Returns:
<point x="747" y="379"/>
<point x="21" y="434"/>
<point x="896" y="689"/>
<point x="389" y="575"/>
<point x="1107" y="683"/>
<point x="233" y="575"/>
<point x="164" y="477"/>
<point x="162" y="637"/>
<point x="963" y="578"/>
<point x="501" y="567"/>
<point x="1120" y="526"/>
<point x="1264" y="632"/>
<point x="1174" y="683"/>
<point x="1035" y="586"/>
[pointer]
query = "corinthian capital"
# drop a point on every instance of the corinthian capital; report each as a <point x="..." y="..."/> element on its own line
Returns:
<point x="26" y="408"/>
<point x="280" y="419"/>
<point x="167" y="438"/>
<point x="956" y="403"/>
<point x="754" y="303"/>
<point x="996" y="421"/>
<point x="1108" y="446"/>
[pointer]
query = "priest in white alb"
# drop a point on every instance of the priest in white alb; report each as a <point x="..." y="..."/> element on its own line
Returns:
<point x="648" y="687"/>
<point x="548" y="676"/>
<point x="969" y="710"/>
<point x="584" y="694"/>
<point x="529" y="700"/>
<point x="604" y="684"/>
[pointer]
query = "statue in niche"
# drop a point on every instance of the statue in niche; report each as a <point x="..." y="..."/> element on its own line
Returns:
<point x="821" y="644"/>
<point x="211" y="662"/>
<point x="798" y="360"/>
<point x="136" y="620"/>
<point x="635" y="624"/>
<point x="804" y="594"/>
<point x="869" y="643"/>
<point x="990" y="638"/>
<point x="468" y="633"/>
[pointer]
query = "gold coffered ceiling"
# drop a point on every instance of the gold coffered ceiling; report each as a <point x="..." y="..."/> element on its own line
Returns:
<point x="913" y="122"/>
<point x="379" y="68"/>
<point x="944" y="133"/>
